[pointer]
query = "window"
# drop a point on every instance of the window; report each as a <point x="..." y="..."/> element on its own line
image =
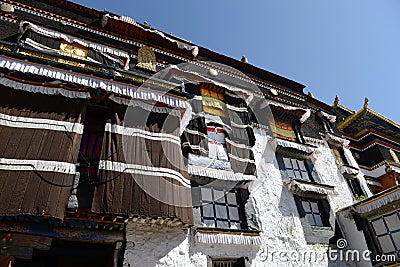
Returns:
<point x="315" y="219"/>
<point x="220" y="208"/>
<point x="88" y="160"/>
<point x="387" y="233"/>
<point x="328" y="126"/>
<point x="340" y="156"/>
<point x="216" y="143"/>
<point x="295" y="168"/>
<point x="313" y="210"/>
<point x="229" y="263"/>
<point x="355" y="187"/>
<point x="89" y="154"/>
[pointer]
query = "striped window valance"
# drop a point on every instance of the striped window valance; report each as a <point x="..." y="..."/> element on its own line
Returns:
<point x="283" y="129"/>
<point x="213" y="101"/>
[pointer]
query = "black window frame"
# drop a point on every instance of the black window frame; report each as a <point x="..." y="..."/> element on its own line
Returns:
<point x="282" y="166"/>
<point x="237" y="262"/>
<point x="215" y="202"/>
<point x="343" y="159"/>
<point x="328" y="126"/>
<point x="324" y="218"/>
<point x="388" y="232"/>
<point x="94" y="122"/>
<point x="355" y="187"/>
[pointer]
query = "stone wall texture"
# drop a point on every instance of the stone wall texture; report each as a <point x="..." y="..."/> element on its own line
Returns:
<point x="283" y="240"/>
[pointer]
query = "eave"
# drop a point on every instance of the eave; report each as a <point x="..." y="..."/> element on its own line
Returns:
<point x="378" y="201"/>
<point x="374" y="133"/>
<point x="366" y="110"/>
<point x="382" y="117"/>
<point x="343" y="108"/>
<point x="133" y="32"/>
<point x="350" y="119"/>
<point x="248" y="68"/>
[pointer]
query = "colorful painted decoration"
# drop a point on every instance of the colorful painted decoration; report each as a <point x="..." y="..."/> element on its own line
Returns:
<point x="283" y="129"/>
<point x="73" y="50"/>
<point x="146" y="59"/>
<point x="214" y="102"/>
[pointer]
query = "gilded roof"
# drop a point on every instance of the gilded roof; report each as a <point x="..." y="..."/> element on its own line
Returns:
<point x="364" y="111"/>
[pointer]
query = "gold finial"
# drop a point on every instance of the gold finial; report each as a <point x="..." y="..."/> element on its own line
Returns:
<point x="336" y="102"/>
<point x="366" y="102"/>
<point x="310" y="94"/>
<point x="244" y="59"/>
<point x="388" y="168"/>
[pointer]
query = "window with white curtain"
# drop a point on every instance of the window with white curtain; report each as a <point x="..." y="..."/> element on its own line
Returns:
<point x="216" y="143"/>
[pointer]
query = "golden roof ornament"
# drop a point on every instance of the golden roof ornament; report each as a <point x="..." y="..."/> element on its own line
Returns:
<point x="146" y="59"/>
<point x="244" y="59"/>
<point x="366" y="100"/>
<point x="310" y="94"/>
<point x="388" y="168"/>
<point x="336" y="102"/>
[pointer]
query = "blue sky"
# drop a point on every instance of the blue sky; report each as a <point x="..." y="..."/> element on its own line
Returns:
<point x="341" y="47"/>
